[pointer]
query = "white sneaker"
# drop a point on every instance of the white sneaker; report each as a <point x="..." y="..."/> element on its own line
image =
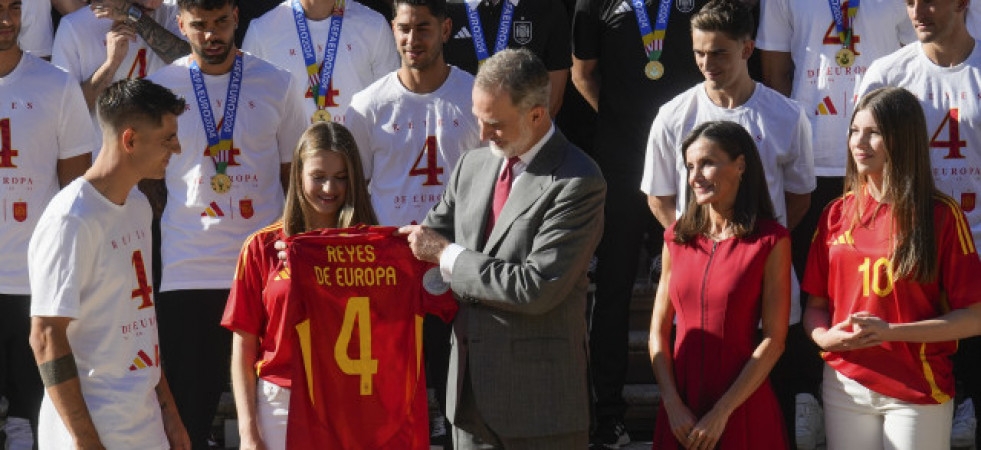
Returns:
<point x="19" y="434"/>
<point x="962" y="431"/>
<point x="809" y="422"/>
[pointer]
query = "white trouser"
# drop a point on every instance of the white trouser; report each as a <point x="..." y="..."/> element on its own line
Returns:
<point x="272" y="405"/>
<point x="858" y="418"/>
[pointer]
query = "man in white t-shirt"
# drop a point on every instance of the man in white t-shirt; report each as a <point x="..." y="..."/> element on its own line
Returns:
<point x="943" y="70"/>
<point x="801" y="41"/>
<point x="93" y="323"/>
<point x="45" y="142"/>
<point x="361" y="52"/>
<point x="227" y="184"/>
<point x="722" y="43"/>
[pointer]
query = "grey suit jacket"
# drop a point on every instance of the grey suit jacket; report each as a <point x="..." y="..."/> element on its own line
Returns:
<point x="521" y="327"/>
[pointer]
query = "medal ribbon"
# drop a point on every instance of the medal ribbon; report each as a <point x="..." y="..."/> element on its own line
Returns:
<point x="477" y="30"/>
<point x="219" y="142"/>
<point x="844" y="24"/>
<point x="653" y="39"/>
<point x="319" y="81"/>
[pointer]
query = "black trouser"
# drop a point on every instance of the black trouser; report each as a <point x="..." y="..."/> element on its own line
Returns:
<point x="800" y="367"/>
<point x="627" y="218"/>
<point x="19" y="379"/>
<point x="196" y="355"/>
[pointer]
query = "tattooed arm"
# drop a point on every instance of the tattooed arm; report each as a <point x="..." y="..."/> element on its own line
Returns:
<point x="56" y="364"/>
<point x="165" y="44"/>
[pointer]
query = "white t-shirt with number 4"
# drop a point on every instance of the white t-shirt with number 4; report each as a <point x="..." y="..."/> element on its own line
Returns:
<point x="951" y="101"/>
<point x="411" y="142"/>
<point x="806" y="29"/>
<point x="90" y="260"/>
<point x="202" y="230"/>
<point x="366" y="52"/>
<point x="43" y="119"/>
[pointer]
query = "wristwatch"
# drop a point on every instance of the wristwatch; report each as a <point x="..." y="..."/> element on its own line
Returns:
<point x="134" y="13"/>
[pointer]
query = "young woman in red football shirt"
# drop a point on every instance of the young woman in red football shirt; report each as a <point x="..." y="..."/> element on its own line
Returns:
<point x="327" y="189"/>
<point x="893" y="278"/>
<point x="725" y="268"/>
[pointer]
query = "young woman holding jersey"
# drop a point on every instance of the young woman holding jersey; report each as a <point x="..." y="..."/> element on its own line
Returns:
<point x="893" y="281"/>
<point x="327" y="189"/>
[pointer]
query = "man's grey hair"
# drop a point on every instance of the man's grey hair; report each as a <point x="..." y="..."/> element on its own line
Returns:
<point x="519" y="73"/>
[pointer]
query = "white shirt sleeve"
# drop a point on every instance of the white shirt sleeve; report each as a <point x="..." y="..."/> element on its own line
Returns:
<point x="75" y="133"/>
<point x="37" y="31"/>
<point x="798" y="173"/>
<point x="448" y="259"/>
<point x="776" y="29"/>
<point x="873" y="79"/>
<point x="660" y="176"/>
<point x="57" y="267"/>
<point x="293" y="123"/>
<point x="385" y="59"/>
<point x="65" y="53"/>
<point x="359" y="124"/>
<point x="252" y="43"/>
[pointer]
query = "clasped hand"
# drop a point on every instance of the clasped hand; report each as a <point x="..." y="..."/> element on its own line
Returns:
<point x="859" y="330"/>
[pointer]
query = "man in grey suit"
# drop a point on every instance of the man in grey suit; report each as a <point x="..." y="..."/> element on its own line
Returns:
<point x="513" y="235"/>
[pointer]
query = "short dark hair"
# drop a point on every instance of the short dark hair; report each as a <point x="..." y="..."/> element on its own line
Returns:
<point x="128" y="102"/>
<point x="752" y="197"/>
<point x="207" y="5"/>
<point x="436" y="7"/>
<point x="731" y="17"/>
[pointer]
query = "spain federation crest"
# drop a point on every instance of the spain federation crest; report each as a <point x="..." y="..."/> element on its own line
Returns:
<point x="20" y="211"/>
<point x="968" y="201"/>
<point x="245" y="208"/>
<point x="685" y="6"/>
<point x="522" y="32"/>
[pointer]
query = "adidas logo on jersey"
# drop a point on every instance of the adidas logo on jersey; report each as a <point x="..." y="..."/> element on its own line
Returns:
<point x="826" y="108"/>
<point x="464" y="33"/>
<point x="143" y="360"/>
<point x="624" y="8"/>
<point x="213" y="211"/>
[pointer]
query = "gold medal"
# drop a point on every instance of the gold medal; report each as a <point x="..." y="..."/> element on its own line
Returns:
<point x="220" y="183"/>
<point x="845" y="57"/>
<point x="654" y="70"/>
<point x="321" y="115"/>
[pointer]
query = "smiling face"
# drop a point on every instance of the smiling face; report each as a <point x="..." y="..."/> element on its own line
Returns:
<point x="210" y="32"/>
<point x="722" y="60"/>
<point x="419" y="36"/>
<point x="713" y="176"/>
<point x="9" y="23"/>
<point x="935" y="20"/>
<point x="867" y="147"/>
<point x="325" y="179"/>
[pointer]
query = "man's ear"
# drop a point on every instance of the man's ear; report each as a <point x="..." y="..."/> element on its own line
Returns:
<point x="128" y="140"/>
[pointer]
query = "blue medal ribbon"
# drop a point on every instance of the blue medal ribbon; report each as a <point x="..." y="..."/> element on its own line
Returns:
<point x="843" y="25"/>
<point x="319" y="84"/>
<point x="219" y="141"/>
<point x="477" y="30"/>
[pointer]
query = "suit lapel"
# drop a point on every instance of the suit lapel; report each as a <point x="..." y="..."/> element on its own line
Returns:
<point x="478" y="209"/>
<point x="527" y="189"/>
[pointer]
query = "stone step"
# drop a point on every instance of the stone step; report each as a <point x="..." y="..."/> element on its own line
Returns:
<point x="643" y="401"/>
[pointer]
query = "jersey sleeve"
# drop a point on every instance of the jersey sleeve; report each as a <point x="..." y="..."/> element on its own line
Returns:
<point x="252" y="43"/>
<point x="292" y="123"/>
<point x="586" y="29"/>
<point x="958" y="258"/>
<point x="59" y="266"/>
<point x="558" y="50"/>
<point x="75" y="133"/>
<point x="798" y="171"/>
<point x="244" y="309"/>
<point x="437" y="298"/>
<point x="776" y="29"/>
<point x="816" y="272"/>
<point x="660" y="176"/>
<point x="359" y="124"/>
<point x="385" y="58"/>
<point x="65" y="53"/>
<point x="37" y="31"/>
<point x="873" y="79"/>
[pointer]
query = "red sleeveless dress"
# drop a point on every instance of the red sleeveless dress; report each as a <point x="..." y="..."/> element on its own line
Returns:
<point x="715" y="289"/>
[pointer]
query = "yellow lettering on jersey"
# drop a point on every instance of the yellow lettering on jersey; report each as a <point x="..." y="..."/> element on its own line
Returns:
<point x="365" y="276"/>
<point x="323" y="275"/>
<point x="350" y="253"/>
<point x="358" y="310"/>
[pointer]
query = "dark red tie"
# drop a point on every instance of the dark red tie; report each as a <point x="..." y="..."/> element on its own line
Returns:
<point x="501" y="191"/>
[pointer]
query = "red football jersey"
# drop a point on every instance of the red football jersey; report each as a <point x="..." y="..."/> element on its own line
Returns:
<point x="850" y="266"/>
<point x="359" y="297"/>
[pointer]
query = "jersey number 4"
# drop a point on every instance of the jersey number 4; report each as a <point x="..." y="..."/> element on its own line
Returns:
<point x="143" y="290"/>
<point x="7" y="152"/>
<point x="358" y="310"/>
<point x="953" y="143"/>
<point x="431" y="170"/>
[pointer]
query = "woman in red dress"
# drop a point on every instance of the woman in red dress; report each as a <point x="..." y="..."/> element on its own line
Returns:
<point x="726" y="268"/>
